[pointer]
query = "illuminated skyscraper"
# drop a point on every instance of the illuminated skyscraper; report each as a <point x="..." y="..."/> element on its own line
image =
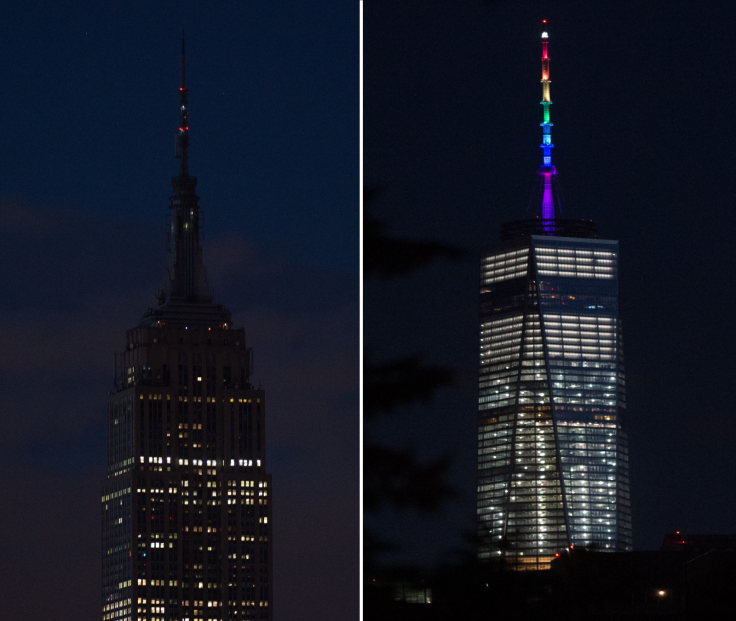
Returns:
<point x="186" y="512"/>
<point x="552" y="439"/>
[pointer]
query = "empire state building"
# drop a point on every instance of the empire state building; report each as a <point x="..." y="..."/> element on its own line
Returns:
<point x="186" y="503"/>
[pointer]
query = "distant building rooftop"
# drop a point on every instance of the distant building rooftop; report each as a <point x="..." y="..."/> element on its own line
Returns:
<point x="697" y="544"/>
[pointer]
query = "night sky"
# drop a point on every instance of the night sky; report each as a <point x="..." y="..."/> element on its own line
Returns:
<point x="89" y="104"/>
<point x="643" y="119"/>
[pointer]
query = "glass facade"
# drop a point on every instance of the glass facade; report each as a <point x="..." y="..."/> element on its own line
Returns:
<point x="552" y="444"/>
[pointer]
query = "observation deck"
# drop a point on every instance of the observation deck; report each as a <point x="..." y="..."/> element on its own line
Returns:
<point x="559" y="227"/>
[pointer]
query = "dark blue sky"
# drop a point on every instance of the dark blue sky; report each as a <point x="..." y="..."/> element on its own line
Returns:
<point x="89" y="107"/>
<point x="644" y="138"/>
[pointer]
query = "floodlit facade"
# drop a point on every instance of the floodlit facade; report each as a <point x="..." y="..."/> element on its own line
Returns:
<point x="186" y="504"/>
<point x="552" y="439"/>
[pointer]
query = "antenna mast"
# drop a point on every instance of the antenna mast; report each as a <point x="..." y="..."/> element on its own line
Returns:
<point x="183" y="124"/>
<point x="547" y="170"/>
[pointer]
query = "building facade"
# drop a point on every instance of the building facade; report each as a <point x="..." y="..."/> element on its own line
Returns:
<point x="186" y="504"/>
<point x="552" y="430"/>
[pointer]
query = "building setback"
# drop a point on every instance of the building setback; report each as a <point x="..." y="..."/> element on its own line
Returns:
<point x="186" y="511"/>
<point x="552" y="440"/>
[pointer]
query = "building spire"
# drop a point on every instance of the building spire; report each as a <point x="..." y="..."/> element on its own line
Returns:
<point x="187" y="277"/>
<point x="183" y="154"/>
<point x="547" y="171"/>
<point x="186" y="299"/>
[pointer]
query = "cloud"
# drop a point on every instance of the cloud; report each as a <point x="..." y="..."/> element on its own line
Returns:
<point x="17" y="214"/>
<point x="45" y="544"/>
<point x="306" y="351"/>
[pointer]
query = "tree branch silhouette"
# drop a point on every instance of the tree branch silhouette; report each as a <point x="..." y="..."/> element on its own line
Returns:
<point x="395" y="477"/>
<point x="389" y="257"/>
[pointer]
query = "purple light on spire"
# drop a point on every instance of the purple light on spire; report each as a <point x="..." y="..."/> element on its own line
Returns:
<point x="548" y="203"/>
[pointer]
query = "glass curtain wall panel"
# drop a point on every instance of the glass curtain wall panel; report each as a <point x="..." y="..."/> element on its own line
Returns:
<point x="552" y="453"/>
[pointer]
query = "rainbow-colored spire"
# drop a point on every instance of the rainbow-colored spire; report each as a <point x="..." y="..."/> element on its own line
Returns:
<point x="546" y="170"/>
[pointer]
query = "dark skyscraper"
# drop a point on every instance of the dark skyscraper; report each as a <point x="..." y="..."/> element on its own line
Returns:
<point x="552" y="439"/>
<point x="186" y="525"/>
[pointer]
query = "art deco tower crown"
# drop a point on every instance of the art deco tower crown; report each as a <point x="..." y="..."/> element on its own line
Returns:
<point x="187" y="279"/>
<point x="186" y="297"/>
